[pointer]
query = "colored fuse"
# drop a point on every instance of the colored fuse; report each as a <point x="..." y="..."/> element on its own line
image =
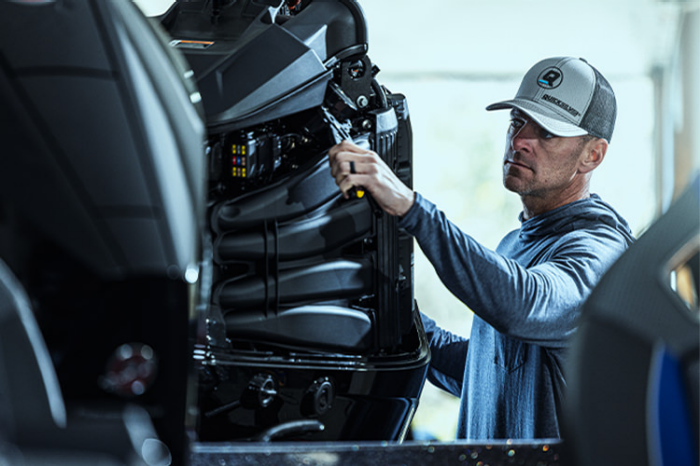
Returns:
<point x="239" y="161"/>
<point x="238" y="149"/>
<point x="238" y="172"/>
<point x="239" y="158"/>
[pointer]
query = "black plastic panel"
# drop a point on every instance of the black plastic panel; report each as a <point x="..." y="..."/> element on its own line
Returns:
<point x="91" y="167"/>
<point x="318" y="282"/>
<point x="631" y="324"/>
<point x="293" y="197"/>
<point x="313" y="326"/>
<point x="102" y="205"/>
<point x="294" y="240"/>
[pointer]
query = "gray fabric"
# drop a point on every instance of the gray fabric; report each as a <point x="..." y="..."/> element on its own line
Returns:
<point x="567" y="97"/>
<point x="526" y="298"/>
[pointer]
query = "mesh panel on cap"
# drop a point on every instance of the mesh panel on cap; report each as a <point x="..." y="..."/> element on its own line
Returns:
<point x="599" y="119"/>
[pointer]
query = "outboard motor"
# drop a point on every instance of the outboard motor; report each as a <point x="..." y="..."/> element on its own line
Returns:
<point x="312" y="329"/>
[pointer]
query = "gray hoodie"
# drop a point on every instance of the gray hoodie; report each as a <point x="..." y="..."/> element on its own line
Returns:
<point x="526" y="298"/>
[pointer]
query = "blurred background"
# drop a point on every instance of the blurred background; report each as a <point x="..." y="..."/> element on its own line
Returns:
<point x="452" y="58"/>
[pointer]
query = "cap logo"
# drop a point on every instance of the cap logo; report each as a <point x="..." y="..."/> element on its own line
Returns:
<point x="550" y="78"/>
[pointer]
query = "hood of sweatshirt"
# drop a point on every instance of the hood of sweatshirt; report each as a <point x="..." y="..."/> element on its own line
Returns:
<point x="574" y="216"/>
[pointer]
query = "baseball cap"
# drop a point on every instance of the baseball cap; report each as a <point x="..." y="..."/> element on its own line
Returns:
<point x="567" y="97"/>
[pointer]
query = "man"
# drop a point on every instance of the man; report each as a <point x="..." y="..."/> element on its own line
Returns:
<point x="526" y="295"/>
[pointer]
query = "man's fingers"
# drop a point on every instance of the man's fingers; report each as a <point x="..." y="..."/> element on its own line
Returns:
<point x="344" y="146"/>
<point x="354" y="167"/>
<point x="351" y="166"/>
<point x="345" y="163"/>
<point x="347" y="183"/>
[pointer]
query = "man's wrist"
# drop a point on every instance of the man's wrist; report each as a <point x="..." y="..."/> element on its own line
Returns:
<point x="407" y="205"/>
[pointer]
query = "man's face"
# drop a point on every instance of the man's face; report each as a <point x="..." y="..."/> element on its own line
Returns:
<point x="537" y="163"/>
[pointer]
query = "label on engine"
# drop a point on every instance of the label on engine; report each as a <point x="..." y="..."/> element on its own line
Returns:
<point x="191" y="44"/>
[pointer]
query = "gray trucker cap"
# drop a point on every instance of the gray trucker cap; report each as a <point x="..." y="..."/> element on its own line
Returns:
<point x="567" y="97"/>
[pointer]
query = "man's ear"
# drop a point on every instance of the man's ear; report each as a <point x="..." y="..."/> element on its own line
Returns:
<point x="593" y="154"/>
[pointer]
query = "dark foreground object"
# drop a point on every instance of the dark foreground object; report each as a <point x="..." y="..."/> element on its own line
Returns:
<point x="381" y="454"/>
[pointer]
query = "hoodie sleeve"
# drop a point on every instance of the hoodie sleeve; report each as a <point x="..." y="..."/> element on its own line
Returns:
<point x="448" y="357"/>
<point x="538" y="304"/>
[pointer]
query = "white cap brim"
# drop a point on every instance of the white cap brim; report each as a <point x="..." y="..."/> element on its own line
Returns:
<point x="543" y="116"/>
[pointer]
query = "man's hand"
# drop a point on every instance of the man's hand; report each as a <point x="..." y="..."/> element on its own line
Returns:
<point x="371" y="174"/>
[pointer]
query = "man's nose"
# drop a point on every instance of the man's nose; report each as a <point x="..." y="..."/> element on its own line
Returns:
<point x="522" y="137"/>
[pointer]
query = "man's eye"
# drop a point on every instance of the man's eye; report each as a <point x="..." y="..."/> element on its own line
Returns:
<point x="516" y="123"/>
<point x="544" y="134"/>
